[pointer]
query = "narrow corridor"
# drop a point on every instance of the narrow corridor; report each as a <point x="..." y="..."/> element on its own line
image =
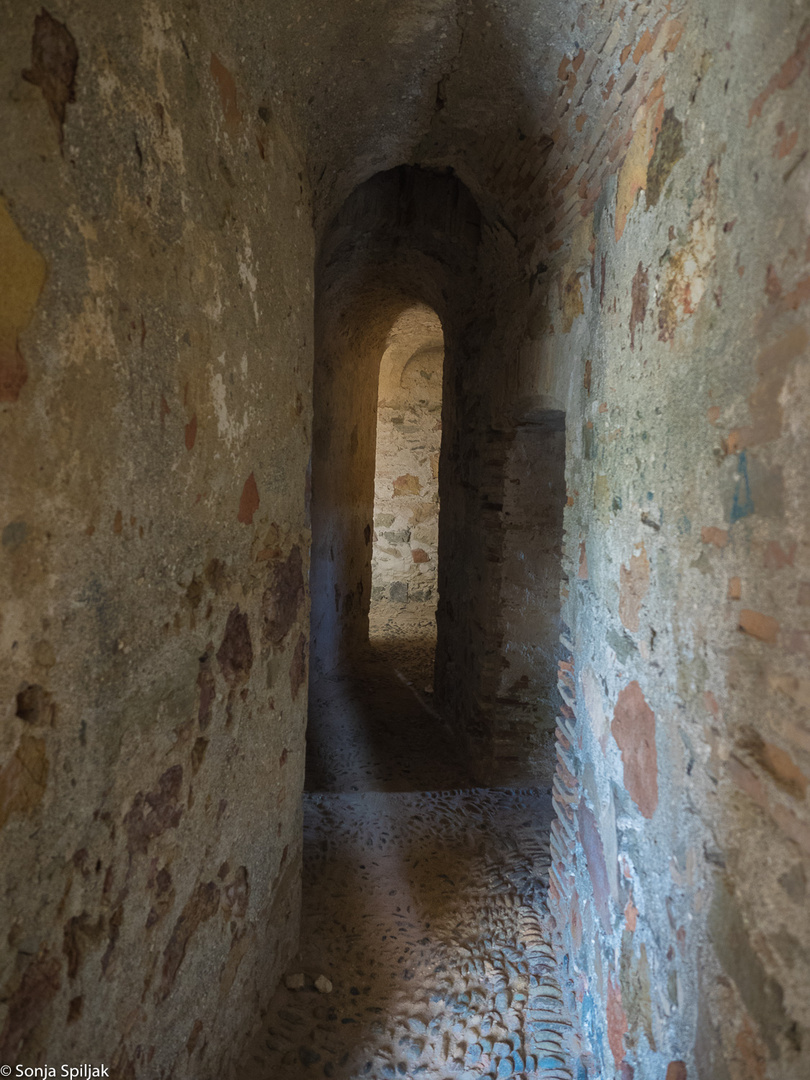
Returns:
<point x="424" y="898"/>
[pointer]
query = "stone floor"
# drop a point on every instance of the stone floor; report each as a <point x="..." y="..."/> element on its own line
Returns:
<point x="424" y="900"/>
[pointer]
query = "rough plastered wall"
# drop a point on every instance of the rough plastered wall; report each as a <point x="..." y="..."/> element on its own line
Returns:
<point x="641" y="175"/>
<point x="155" y="375"/>
<point x="672" y="331"/>
<point x="406" y="473"/>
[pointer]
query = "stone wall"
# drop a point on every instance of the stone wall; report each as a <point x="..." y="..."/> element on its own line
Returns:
<point x="617" y="244"/>
<point x="155" y="412"/>
<point x="675" y="339"/>
<point x="406" y="472"/>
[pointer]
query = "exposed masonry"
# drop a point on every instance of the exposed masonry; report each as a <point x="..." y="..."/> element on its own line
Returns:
<point x="404" y="562"/>
<point x="606" y="205"/>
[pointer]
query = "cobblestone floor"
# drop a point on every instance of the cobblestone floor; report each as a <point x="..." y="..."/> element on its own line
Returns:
<point x="423" y="904"/>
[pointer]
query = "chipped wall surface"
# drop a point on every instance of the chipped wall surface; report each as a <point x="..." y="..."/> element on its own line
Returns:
<point x="406" y="471"/>
<point x="155" y="372"/>
<point x="609" y="216"/>
<point x="682" y="843"/>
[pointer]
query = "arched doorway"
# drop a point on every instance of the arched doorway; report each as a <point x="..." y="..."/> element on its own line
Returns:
<point x="404" y="563"/>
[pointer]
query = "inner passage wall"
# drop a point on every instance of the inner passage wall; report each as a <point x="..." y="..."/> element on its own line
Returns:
<point x="406" y="484"/>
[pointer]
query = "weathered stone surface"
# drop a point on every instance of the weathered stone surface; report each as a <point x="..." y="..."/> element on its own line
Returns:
<point x="627" y="251"/>
<point x="633" y="728"/>
<point x="29" y="1003"/>
<point x="616" y="1020"/>
<point x="235" y="654"/>
<point x="54" y="57"/>
<point x="758" y="625"/>
<point x="22" y="275"/>
<point x="635" y="581"/>
<point x="200" y="907"/>
<point x="249" y="501"/>
<point x="23" y="779"/>
<point x="597" y="868"/>
<point x="284" y="596"/>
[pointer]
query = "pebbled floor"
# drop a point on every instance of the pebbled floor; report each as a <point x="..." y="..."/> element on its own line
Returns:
<point x="423" y="901"/>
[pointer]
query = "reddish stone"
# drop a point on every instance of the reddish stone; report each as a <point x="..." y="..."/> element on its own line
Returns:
<point x="630" y="915"/>
<point x="235" y="654"/>
<point x="616" y="1020"/>
<point x="777" y="762"/>
<point x="13" y="372"/>
<point x="583" y="562"/>
<point x="406" y="485"/>
<point x="249" y="503"/>
<point x="785" y="77"/>
<point x="633" y="729"/>
<point x="202" y="905"/>
<point x="635" y="583"/>
<point x="751" y="1051"/>
<point x="710" y="534"/>
<point x="191" y="432"/>
<point x="30" y="1002"/>
<point x="284" y="596"/>
<point x="576" y="922"/>
<point x="419" y="556"/>
<point x="298" y="667"/>
<point x="54" y="57"/>
<point x="196" y="1031"/>
<point x="227" y="93"/>
<point x="151" y="815"/>
<point x="208" y="692"/>
<point x="776" y="558"/>
<point x="676" y="1070"/>
<point x="597" y="868"/>
<point x="764" y="627"/>
<point x="639" y="292"/>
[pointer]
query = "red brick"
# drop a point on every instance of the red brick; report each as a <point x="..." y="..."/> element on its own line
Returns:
<point x="249" y="502"/>
<point x="764" y="627"/>
<point x="617" y="1021"/>
<point x="633" y="729"/>
<point x="597" y="868"/>
<point x="776" y="558"/>
<point x="710" y="534"/>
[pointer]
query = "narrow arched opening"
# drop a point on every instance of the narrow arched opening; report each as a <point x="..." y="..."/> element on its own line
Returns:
<point x="405" y="551"/>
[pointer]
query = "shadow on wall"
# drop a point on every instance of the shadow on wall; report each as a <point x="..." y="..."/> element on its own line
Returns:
<point x="522" y="521"/>
<point x="406" y="240"/>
